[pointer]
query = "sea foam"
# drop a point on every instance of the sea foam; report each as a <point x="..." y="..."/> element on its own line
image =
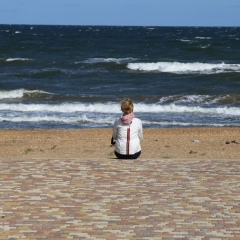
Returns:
<point x="178" y="67"/>
<point x="112" y="108"/>
<point x="20" y="93"/>
<point x="17" y="59"/>
<point x="109" y="60"/>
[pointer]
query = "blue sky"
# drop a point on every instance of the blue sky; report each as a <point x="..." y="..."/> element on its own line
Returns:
<point x="122" y="12"/>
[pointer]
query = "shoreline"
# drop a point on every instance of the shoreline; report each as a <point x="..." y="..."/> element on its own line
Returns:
<point x="159" y="143"/>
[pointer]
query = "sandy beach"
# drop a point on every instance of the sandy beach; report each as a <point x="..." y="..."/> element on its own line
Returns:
<point x="185" y="143"/>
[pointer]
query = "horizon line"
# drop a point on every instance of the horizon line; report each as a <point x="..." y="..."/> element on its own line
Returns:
<point x="100" y="25"/>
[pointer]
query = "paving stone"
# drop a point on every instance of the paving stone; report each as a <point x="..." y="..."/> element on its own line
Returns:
<point x="111" y="199"/>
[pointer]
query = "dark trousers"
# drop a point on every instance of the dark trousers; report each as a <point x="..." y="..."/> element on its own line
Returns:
<point x="121" y="156"/>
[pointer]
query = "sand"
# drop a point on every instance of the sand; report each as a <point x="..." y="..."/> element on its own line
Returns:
<point x="185" y="143"/>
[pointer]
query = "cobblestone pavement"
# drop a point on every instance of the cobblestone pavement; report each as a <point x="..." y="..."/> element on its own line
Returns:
<point x="111" y="199"/>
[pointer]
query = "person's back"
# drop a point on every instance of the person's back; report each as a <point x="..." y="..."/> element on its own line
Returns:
<point x="127" y="131"/>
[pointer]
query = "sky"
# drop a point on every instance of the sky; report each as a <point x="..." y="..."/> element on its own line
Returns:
<point x="121" y="12"/>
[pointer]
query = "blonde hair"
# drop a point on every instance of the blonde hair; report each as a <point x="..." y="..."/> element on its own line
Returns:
<point x="127" y="106"/>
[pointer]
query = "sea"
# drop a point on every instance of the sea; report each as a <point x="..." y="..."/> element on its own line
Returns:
<point x="71" y="77"/>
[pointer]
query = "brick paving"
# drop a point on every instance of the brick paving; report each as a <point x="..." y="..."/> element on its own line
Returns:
<point x="111" y="199"/>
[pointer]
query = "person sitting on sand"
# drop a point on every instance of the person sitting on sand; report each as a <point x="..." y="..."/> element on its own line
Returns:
<point x="127" y="133"/>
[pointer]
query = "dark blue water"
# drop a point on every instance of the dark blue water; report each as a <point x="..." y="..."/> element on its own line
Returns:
<point x="76" y="76"/>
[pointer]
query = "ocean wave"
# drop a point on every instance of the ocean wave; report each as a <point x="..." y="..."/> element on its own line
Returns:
<point x="20" y="93"/>
<point x="90" y="121"/>
<point x="17" y="59"/>
<point x="189" y="99"/>
<point x="186" y="124"/>
<point x="114" y="108"/>
<point x="205" y="46"/>
<point x="36" y="119"/>
<point x="173" y="108"/>
<point x="203" y="37"/>
<point x="233" y="99"/>
<point x="61" y="108"/>
<point x="185" y="40"/>
<point x="12" y="94"/>
<point x="82" y="120"/>
<point x="178" y="67"/>
<point x="48" y="72"/>
<point x="109" y="60"/>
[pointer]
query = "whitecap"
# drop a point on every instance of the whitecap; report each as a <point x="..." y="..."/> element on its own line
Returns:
<point x="203" y="37"/>
<point x="173" y="108"/>
<point x="108" y="60"/>
<point x="187" y="99"/>
<point x="185" y="40"/>
<point x="187" y="124"/>
<point x="205" y="46"/>
<point x="58" y="119"/>
<point x="17" y="59"/>
<point x="114" y="108"/>
<point x="178" y="67"/>
<point x="61" y="108"/>
<point x="19" y="93"/>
